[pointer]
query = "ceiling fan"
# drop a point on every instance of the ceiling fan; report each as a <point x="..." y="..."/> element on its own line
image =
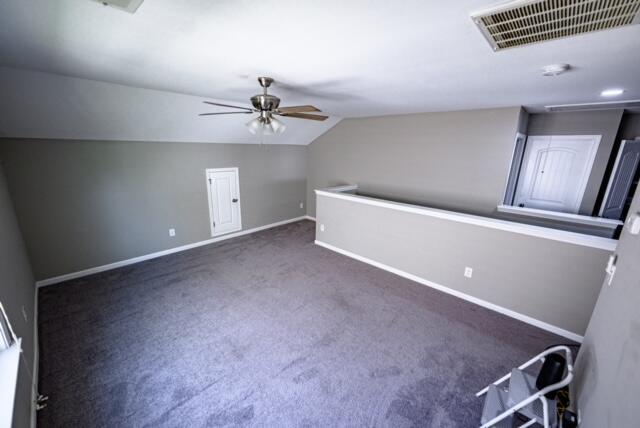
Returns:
<point x="268" y="106"/>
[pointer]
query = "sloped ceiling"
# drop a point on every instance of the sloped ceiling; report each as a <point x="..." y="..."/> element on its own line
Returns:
<point x="350" y="58"/>
<point x="43" y="105"/>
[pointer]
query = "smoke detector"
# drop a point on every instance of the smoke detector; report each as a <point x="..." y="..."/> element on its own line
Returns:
<point x="126" y="5"/>
<point x="524" y="22"/>
<point x="555" y="69"/>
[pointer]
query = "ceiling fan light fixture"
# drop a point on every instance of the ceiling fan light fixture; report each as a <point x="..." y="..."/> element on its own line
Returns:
<point x="255" y="125"/>
<point x="277" y="126"/>
<point x="265" y="125"/>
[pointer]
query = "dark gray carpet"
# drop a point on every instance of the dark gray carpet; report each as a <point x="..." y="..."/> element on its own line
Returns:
<point x="268" y="330"/>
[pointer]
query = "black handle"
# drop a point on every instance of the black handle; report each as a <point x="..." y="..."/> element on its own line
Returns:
<point x="234" y="200"/>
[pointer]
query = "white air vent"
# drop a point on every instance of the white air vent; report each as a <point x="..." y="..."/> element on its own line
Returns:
<point x="523" y="22"/>
<point x="127" y="5"/>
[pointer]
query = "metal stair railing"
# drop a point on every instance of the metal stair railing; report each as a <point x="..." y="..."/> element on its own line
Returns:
<point x="540" y="395"/>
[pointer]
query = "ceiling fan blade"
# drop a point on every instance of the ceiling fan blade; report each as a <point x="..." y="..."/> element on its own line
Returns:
<point x="305" y="116"/>
<point x="225" y="112"/>
<point x="298" y="109"/>
<point x="227" y="105"/>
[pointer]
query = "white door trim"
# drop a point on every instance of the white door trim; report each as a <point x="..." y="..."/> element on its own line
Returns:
<point x="611" y="177"/>
<point x="206" y="175"/>
<point x="519" y="135"/>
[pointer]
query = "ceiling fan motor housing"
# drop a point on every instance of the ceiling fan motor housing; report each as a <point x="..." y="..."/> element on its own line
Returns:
<point x="265" y="102"/>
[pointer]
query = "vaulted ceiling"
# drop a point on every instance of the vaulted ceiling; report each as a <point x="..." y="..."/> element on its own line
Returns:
<point x="349" y="58"/>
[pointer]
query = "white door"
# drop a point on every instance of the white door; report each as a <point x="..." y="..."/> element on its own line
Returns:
<point x="224" y="200"/>
<point x="555" y="171"/>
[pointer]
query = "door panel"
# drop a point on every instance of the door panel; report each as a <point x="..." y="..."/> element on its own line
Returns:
<point x="621" y="180"/>
<point x="554" y="168"/>
<point x="555" y="172"/>
<point x="224" y="201"/>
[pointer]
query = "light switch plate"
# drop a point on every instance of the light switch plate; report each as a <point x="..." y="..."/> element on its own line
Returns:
<point x="611" y="268"/>
<point x="634" y="224"/>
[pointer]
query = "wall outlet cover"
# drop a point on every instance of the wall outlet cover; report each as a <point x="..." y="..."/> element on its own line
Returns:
<point x="172" y="232"/>
<point x="468" y="272"/>
<point x="301" y="205"/>
<point x="322" y="228"/>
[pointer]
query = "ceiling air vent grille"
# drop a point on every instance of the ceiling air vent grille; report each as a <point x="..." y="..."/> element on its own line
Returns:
<point x="524" y="22"/>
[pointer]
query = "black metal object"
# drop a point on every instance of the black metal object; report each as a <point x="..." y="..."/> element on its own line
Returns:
<point x="569" y="420"/>
<point x="551" y="372"/>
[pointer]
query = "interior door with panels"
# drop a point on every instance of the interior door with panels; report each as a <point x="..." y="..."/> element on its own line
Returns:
<point x="224" y="200"/>
<point x="555" y="171"/>
<point x="623" y="177"/>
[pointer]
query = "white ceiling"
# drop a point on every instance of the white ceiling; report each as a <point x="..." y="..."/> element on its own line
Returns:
<point x="349" y="58"/>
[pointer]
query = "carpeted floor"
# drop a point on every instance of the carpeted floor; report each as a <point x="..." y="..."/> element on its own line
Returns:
<point x="268" y="330"/>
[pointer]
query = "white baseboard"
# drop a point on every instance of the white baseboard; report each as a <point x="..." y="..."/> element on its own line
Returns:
<point x="91" y="271"/>
<point x="508" y="312"/>
<point x="308" y="217"/>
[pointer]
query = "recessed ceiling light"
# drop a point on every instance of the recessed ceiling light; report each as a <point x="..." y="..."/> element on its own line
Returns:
<point x="555" y="69"/>
<point x="613" y="92"/>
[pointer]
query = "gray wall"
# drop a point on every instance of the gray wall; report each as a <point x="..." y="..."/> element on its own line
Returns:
<point x="83" y="204"/>
<point x="607" y="376"/>
<point x="552" y="281"/>
<point x="605" y="123"/>
<point x="523" y="121"/>
<point x="17" y="290"/>
<point x="454" y="160"/>
<point x="630" y="127"/>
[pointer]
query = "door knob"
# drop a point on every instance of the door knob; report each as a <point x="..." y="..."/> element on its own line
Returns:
<point x="234" y="200"/>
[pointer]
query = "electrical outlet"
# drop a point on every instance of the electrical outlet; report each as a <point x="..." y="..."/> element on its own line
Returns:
<point x="24" y="314"/>
<point x="301" y="205"/>
<point x="322" y="228"/>
<point x="468" y="272"/>
<point x="172" y="232"/>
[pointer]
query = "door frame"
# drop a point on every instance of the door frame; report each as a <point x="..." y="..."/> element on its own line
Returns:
<point x="612" y="175"/>
<point x="513" y="173"/>
<point x="594" y="139"/>
<point x="206" y="176"/>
